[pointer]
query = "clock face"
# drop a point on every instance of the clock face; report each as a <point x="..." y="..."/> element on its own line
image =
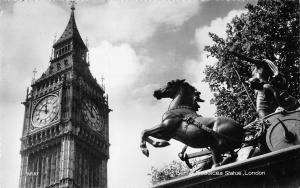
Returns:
<point x="45" y="111"/>
<point x="92" y="116"/>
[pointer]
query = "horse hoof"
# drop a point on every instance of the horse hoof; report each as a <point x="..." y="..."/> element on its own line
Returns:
<point x="163" y="144"/>
<point x="180" y="155"/>
<point x="145" y="152"/>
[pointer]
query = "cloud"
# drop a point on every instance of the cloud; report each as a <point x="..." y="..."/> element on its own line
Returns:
<point x="27" y="34"/>
<point x="119" y="63"/>
<point x="134" y="21"/>
<point x="197" y="66"/>
<point x="25" y="43"/>
<point x="217" y="26"/>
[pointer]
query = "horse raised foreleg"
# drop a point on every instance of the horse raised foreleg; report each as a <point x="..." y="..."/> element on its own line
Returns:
<point x="157" y="144"/>
<point x="157" y="132"/>
<point x="143" y="147"/>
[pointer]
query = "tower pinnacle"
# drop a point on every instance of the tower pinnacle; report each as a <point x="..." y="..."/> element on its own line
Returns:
<point x="72" y="5"/>
<point x="71" y="32"/>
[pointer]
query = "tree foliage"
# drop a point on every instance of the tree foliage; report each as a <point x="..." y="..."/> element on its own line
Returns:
<point x="170" y="171"/>
<point x="269" y="30"/>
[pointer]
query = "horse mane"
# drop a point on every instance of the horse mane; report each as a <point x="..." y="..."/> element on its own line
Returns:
<point x="192" y="89"/>
<point x="185" y="84"/>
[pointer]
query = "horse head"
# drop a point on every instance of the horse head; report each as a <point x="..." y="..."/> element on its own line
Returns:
<point x="177" y="87"/>
<point x="170" y="90"/>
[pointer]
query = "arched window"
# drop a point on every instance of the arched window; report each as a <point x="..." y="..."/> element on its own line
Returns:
<point x="58" y="66"/>
<point x="66" y="62"/>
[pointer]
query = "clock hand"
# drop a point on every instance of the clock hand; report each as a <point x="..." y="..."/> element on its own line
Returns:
<point x="41" y="110"/>
<point x="46" y="110"/>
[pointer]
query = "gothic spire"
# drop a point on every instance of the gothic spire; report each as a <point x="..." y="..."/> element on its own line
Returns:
<point x="71" y="31"/>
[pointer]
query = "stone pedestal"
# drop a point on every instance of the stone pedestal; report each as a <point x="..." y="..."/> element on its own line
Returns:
<point x="276" y="169"/>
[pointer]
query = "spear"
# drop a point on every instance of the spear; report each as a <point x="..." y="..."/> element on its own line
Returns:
<point x="255" y="62"/>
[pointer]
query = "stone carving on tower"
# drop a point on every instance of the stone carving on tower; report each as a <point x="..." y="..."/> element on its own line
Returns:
<point x="65" y="132"/>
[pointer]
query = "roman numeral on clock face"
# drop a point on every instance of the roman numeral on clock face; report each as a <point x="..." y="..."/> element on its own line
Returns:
<point x="45" y="111"/>
<point x="91" y="115"/>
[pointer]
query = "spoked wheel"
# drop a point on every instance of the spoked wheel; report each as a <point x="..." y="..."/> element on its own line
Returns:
<point x="284" y="132"/>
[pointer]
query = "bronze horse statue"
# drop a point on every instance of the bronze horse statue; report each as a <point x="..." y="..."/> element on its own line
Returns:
<point x="182" y="123"/>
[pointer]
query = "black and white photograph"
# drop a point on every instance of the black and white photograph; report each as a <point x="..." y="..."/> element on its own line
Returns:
<point x="149" y="93"/>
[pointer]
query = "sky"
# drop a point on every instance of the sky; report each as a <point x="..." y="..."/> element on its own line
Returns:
<point x="138" y="46"/>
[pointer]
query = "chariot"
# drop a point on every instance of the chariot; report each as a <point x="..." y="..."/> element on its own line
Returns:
<point x="227" y="140"/>
<point x="276" y="131"/>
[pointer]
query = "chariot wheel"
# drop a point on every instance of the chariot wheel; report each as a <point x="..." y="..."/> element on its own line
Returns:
<point x="284" y="130"/>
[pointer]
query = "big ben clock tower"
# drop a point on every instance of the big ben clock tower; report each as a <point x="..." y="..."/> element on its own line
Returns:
<point x="65" y="131"/>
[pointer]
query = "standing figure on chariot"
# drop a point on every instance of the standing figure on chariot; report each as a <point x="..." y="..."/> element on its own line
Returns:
<point x="270" y="87"/>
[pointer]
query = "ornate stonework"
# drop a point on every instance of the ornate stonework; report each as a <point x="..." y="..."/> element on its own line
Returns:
<point x="65" y="140"/>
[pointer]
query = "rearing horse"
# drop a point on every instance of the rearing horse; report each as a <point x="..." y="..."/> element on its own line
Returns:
<point x="182" y="123"/>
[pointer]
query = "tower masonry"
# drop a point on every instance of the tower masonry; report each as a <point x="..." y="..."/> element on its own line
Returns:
<point x="65" y="141"/>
